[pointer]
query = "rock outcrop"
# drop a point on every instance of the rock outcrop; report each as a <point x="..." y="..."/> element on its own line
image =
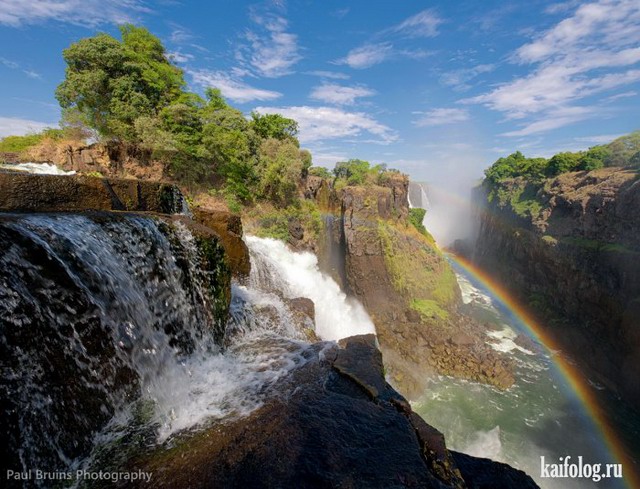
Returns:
<point x="405" y="284"/>
<point x="340" y="425"/>
<point x="575" y="258"/>
<point x="53" y="193"/>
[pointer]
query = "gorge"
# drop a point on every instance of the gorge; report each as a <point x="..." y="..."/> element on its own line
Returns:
<point x="118" y="354"/>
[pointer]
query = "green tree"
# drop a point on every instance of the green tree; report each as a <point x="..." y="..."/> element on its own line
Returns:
<point x="594" y="158"/>
<point x="623" y="149"/>
<point x="354" y="171"/>
<point x="280" y="169"/>
<point x="320" y="171"/>
<point x="111" y="83"/>
<point x="562" y="163"/>
<point x="273" y="126"/>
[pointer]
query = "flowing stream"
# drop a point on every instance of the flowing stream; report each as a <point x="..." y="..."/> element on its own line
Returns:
<point x="539" y="416"/>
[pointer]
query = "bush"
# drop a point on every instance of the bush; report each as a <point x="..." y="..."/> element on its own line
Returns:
<point x="416" y="216"/>
<point x="320" y="171"/>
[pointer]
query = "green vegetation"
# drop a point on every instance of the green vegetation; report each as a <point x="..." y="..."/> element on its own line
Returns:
<point x="17" y="144"/>
<point x="360" y="172"/>
<point x="320" y="171"/>
<point x="624" y="151"/>
<point x="429" y="309"/>
<point x="516" y="180"/>
<point x="416" y="216"/>
<point x="596" y="245"/>
<point x="520" y="195"/>
<point x="127" y="94"/>
<point x="418" y="270"/>
<point x="275" y="223"/>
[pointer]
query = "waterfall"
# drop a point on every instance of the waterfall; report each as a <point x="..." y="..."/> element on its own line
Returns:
<point x="36" y="168"/>
<point x="418" y="195"/>
<point x="110" y="320"/>
<point x="275" y="267"/>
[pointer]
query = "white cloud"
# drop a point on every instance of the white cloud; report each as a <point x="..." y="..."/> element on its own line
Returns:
<point x="442" y="116"/>
<point x="458" y="79"/>
<point x="422" y="24"/>
<point x="553" y="120"/>
<point x="618" y="96"/>
<point x="179" y="57"/>
<point x="232" y="88"/>
<point x="86" y="13"/>
<point x="324" y="123"/>
<point x="367" y="55"/>
<point x="10" y="126"/>
<point x="601" y="139"/>
<point x="339" y="94"/>
<point x="9" y="64"/>
<point x="273" y="51"/>
<point x="179" y="34"/>
<point x="562" y="7"/>
<point x="12" y="65"/>
<point x="328" y="74"/>
<point x="591" y="51"/>
<point x="328" y="160"/>
<point x="32" y="74"/>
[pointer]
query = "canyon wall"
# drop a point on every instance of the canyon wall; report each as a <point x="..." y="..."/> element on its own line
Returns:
<point x="571" y="250"/>
<point x="405" y="284"/>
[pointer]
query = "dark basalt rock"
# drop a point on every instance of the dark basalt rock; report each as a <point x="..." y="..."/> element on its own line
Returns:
<point x="333" y="423"/>
<point x="482" y="473"/>
<point x="577" y="263"/>
<point x="80" y="297"/>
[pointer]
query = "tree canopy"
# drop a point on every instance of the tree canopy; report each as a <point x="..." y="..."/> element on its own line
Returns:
<point x="624" y="151"/>
<point x="128" y="91"/>
<point x="111" y="83"/>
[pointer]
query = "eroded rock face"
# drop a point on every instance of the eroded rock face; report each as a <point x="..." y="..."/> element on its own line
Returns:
<point x="340" y="425"/>
<point x="406" y="286"/>
<point x="54" y="193"/>
<point x="229" y="227"/>
<point x="577" y="262"/>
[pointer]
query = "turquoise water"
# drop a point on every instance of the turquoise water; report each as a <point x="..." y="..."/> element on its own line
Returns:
<point x="540" y="416"/>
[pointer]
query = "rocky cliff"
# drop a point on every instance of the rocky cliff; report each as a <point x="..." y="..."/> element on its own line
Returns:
<point x="571" y="250"/>
<point x="405" y="284"/>
<point x="50" y="193"/>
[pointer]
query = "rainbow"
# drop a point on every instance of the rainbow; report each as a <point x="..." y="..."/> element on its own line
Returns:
<point x="568" y="371"/>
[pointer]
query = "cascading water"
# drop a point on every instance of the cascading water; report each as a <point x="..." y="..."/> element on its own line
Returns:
<point x="275" y="267"/>
<point x="36" y="168"/>
<point x="110" y="323"/>
<point x="103" y="314"/>
<point x="418" y="195"/>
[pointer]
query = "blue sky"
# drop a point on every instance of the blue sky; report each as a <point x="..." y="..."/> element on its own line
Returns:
<point x="438" y="89"/>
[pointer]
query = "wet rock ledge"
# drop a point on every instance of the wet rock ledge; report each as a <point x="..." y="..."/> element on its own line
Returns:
<point x="334" y="422"/>
<point x="28" y="193"/>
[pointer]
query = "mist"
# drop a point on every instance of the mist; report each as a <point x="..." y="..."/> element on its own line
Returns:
<point x="450" y="213"/>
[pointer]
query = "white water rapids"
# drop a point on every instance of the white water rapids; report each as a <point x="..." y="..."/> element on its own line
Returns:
<point x="276" y="267"/>
<point x="37" y="168"/>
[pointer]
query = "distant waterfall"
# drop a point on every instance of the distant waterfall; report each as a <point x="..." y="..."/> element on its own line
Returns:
<point x="418" y="195"/>
<point x="276" y="267"/>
